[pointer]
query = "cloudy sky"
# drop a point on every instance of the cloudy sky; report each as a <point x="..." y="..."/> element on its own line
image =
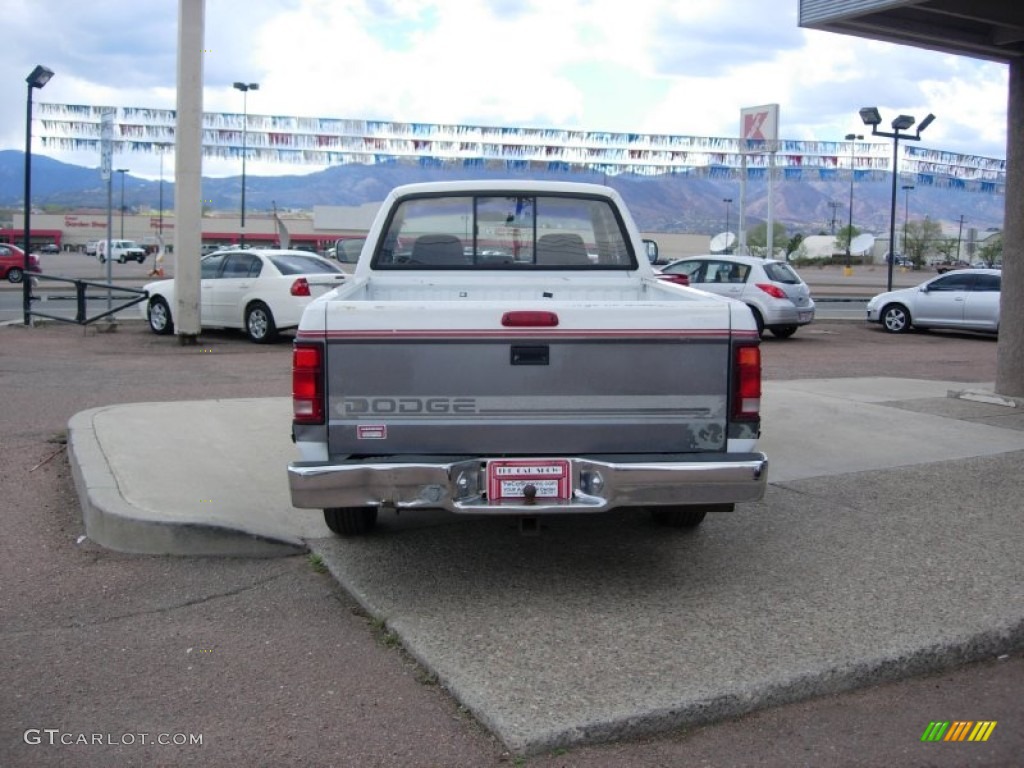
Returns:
<point x="683" y="67"/>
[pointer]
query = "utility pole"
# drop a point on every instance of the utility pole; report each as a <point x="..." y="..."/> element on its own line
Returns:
<point x="959" y="236"/>
<point x="834" y="205"/>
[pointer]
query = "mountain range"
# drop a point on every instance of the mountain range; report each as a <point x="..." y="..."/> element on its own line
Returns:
<point x="672" y="203"/>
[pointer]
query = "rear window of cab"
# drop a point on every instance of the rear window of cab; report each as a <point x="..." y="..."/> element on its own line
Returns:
<point x="496" y="231"/>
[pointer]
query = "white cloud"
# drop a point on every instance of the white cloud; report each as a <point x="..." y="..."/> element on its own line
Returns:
<point x="647" y="65"/>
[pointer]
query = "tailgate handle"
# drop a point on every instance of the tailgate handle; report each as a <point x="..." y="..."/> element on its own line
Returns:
<point x="531" y="355"/>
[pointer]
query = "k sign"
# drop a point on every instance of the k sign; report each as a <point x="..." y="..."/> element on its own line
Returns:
<point x="759" y="128"/>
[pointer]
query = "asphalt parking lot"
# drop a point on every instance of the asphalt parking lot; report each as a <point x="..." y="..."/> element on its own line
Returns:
<point x="276" y="665"/>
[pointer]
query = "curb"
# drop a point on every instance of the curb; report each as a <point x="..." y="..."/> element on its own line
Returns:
<point x="114" y="523"/>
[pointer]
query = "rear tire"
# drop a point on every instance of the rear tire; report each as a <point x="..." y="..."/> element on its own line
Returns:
<point x="896" y="318"/>
<point x="259" y="323"/>
<point x="159" y="316"/>
<point x="783" y="331"/>
<point x="758" y="320"/>
<point x="15" y="275"/>
<point x="351" y="521"/>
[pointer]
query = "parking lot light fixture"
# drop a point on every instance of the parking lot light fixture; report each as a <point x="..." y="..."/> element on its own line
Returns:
<point x="244" y="88"/>
<point x="871" y="116"/>
<point x="39" y="77"/>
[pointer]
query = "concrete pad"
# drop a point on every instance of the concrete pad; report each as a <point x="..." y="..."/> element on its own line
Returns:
<point x="607" y="626"/>
<point x="869" y="389"/>
<point x="820" y="427"/>
<point x="200" y="477"/>
<point x="218" y="467"/>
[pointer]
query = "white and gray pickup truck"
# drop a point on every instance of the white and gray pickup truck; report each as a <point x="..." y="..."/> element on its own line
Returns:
<point x="505" y="348"/>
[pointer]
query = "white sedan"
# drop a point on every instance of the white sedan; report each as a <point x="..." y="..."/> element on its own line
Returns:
<point x="259" y="291"/>
<point x="967" y="299"/>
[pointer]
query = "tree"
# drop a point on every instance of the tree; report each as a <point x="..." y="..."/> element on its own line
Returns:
<point x="921" y="238"/>
<point x="757" y="238"/>
<point x="845" y="236"/>
<point x="946" y="246"/>
<point x="991" y="250"/>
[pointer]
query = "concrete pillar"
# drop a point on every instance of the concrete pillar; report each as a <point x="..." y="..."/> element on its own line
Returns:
<point x="1010" y="350"/>
<point x="188" y="169"/>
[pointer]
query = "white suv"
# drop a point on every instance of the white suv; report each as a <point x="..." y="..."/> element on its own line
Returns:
<point x="121" y="251"/>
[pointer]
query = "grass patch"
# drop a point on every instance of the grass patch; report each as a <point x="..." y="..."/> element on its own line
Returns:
<point x="317" y="563"/>
<point x="424" y="677"/>
<point x="388" y="638"/>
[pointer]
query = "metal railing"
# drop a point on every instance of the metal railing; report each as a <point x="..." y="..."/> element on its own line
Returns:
<point x="82" y="299"/>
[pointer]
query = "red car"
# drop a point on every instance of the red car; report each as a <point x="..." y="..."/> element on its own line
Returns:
<point x="12" y="263"/>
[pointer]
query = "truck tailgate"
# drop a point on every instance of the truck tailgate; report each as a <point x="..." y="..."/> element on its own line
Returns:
<point x="608" y="377"/>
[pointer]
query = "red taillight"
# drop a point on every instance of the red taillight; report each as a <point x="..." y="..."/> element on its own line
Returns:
<point x="300" y="287"/>
<point x="677" y="279"/>
<point x="772" y="290"/>
<point x="746" y="398"/>
<point x="307" y="383"/>
<point x="529" y="319"/>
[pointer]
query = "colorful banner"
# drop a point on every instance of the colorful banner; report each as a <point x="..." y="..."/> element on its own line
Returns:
<point x="332" y="141"/>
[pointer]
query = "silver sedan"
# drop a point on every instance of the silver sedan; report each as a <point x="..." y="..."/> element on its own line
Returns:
<point x="967" y="299"/>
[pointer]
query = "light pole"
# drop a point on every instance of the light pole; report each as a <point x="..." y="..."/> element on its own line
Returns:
<point x="244" y="88"/>
<point x="834" y="205"/>
<point x="871" y="116"/>
<point x="160" y="224"/>
<point x="39" y="77"/>
<point x="959" y="235"/>
<point x="122" y="171"/>
<point x="728" y="202"/>
<point x="851" y="137"/>
<point x="906" y="213"/>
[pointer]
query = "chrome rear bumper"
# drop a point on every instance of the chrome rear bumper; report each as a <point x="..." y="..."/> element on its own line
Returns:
<point x="598" y="485"/>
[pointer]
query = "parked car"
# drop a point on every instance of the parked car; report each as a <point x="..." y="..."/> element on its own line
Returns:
<point x="12" y="263"/>
<point x="91" y="247"/>
<point x="679" y="278"/>
<point x="121" y="251"/>
<point x="50" y="248"/>
<point x="260" y="291"/>
<point x="967" y="299"/>
<point x="778" y="298"/>
<point x="950" y="266"/>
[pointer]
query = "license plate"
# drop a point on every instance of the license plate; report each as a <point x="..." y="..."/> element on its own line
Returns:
<point x="805" y="317"/>
<point x="507" y="478"/>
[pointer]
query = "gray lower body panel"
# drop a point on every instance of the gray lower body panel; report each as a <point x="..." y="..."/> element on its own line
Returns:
<point x="595" y="484"/>
<point x="523" y="397"/>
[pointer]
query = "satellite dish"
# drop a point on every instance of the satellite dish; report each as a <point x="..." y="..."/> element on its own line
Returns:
<point x="862" y="243"/>
<point x="722" y="242"/>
